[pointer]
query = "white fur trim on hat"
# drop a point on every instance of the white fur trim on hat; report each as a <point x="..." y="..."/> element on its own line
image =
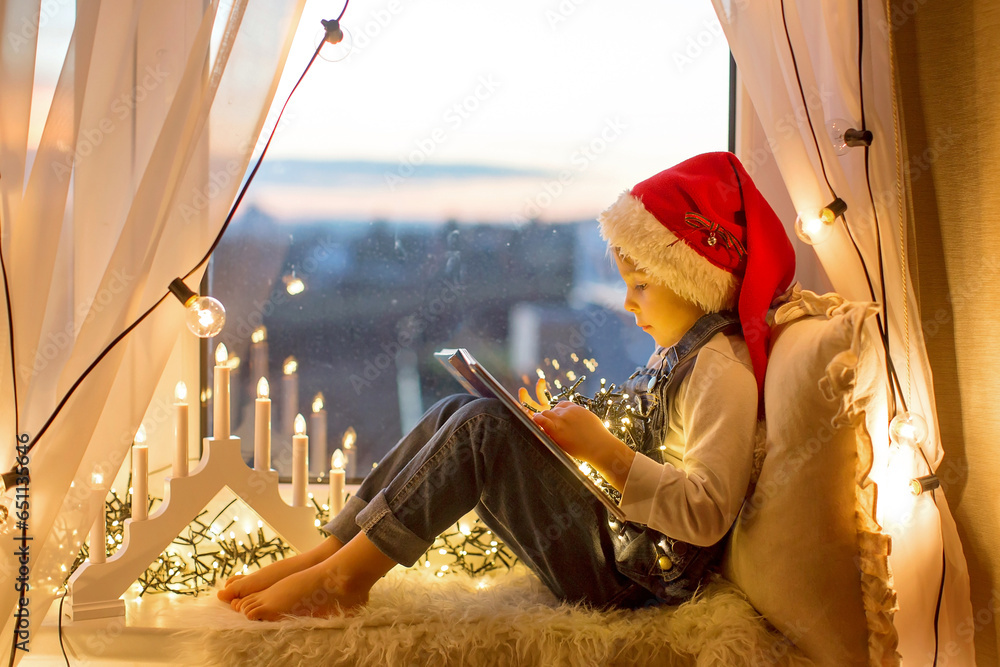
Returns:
<point x="627" y="225"/>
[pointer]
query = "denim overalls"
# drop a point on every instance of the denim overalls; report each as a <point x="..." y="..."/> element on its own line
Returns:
<point x="669" y="568"/>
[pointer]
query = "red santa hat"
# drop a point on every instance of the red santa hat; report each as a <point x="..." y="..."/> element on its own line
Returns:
<point x="704" y="230"/>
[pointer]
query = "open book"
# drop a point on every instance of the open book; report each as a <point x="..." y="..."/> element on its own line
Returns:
<point x="477" y="380"/>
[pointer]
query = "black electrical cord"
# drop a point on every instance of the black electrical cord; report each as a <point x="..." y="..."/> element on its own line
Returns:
<point x="883" y="335"/>
<point x="871" y="197"/>
<point x="61" y="647"/>
<point x="878" y="237"/>
<point x="10" y="329"/>
<point x="215" y="243"/>
<point x="131" y="327"/>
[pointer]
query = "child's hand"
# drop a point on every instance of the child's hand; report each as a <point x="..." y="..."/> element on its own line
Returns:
<point x="540" y="393"/>
<point x="583" y="435"/>
<point x="576" y="429"/>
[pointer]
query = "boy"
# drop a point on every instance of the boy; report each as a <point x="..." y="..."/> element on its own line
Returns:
<point x="702" y="256"/>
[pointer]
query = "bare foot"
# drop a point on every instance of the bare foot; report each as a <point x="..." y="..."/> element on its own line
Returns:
<point x="240" y="585"/>
<point x="321" y="590"/>
<point x="338" y="585"/>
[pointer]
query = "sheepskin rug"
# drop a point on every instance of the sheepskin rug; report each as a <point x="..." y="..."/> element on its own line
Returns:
<point x="414" y="618"/>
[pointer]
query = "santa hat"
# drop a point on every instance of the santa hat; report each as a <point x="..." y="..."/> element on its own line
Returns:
<point x="704" y="230"/>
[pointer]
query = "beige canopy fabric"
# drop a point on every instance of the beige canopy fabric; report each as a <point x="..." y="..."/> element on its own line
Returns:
<point x="155" y="103"/>
<point x="799" y="62"/>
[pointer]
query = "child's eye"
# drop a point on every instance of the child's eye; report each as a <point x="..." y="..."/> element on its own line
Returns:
<point x="641" y="287"/>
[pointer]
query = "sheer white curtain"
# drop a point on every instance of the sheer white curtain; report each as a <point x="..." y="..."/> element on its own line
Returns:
<point x="799" y="63"/>
<point x="152" y="124"/>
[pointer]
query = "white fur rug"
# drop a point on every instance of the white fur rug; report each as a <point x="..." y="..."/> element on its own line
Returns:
<point x="416" y="619"/>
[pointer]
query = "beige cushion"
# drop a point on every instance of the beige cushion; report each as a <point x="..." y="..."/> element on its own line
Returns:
<point x="805" y="547"/>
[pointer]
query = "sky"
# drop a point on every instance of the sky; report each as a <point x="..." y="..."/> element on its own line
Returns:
<point x="570" y="101"/>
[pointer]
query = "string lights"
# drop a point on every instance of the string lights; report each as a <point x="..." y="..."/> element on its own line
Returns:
<point x="844" y="137"/>
<point x="814" y="228"/>
<point x="205" y="315"/>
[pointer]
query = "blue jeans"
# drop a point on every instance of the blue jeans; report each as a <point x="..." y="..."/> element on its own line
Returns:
<point x="468" y="452"/>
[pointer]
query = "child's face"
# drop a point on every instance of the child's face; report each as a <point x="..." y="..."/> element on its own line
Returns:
<point x="658" y="310"/>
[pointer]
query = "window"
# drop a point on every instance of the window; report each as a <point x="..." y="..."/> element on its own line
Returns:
<point x="438" y="188"/>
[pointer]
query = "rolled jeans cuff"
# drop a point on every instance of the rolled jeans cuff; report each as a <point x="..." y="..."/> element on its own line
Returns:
<point x="344" y="526"/>
<point x="388" y="534"/>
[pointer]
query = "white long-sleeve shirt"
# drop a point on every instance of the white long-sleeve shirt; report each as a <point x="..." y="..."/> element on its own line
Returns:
<point x="709" y="443"/>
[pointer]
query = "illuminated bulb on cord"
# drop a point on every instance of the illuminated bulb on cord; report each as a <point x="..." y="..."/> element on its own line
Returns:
<point x="908" y="428"/>
<point x="205" y="316"/>
<point x="814" y="228"/>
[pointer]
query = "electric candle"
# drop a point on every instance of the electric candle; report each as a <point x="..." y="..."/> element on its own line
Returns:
<point x="350" y="453"/>
<point x="289" y="391"/>
<point x="337" y="478"/>
<point x="300" y="462"/>
<point x="98" y="532"/>
<point x="317" y="439"/>
<point x="221" y="396"/>
<point x="180" y="430"/>
<point x="140" y="472"/>
<point x="258" y="352"/>
<point x="262" y="428"/>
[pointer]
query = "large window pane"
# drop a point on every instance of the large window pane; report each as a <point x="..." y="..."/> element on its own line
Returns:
<point x="438" y="188"/>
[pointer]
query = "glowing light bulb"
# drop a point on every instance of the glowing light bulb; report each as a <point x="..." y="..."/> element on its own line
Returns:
<point x="300" y="424"/>
<point x="205" y="316"/>
<point x="259" y="335"/>
<point x="262" y="388"/>
<point x="180" y="392"/>
<point x="140" y="435"/>
<point x="221" y="355"/>
<point x="908" y="428"/>
<point x="338" y="460"/>
<point x="812" y="228"/>
<point x="317" y="402"/>
<point x="290" y="366"/>
<point x="97" y="478"/>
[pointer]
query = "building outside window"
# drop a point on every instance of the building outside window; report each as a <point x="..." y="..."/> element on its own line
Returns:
<point x="438" y="188"/>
